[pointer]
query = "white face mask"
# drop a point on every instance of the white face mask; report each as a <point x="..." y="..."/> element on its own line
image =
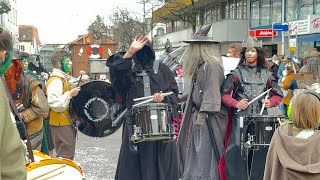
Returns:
<point x="284" y="73"/>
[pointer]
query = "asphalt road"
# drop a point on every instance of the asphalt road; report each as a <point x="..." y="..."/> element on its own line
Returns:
<point x="98" y="156"/>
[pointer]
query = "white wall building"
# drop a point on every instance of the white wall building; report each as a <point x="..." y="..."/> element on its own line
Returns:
<point x="8" y="19"/>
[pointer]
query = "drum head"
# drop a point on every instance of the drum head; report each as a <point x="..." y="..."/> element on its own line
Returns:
<point x="95" y="109"/>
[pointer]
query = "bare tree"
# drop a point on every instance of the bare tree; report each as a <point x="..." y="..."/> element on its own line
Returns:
<point x="98" y="26"/>
<point x="125" y="26"/>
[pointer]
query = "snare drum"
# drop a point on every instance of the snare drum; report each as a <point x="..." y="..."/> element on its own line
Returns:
<point x="54" y="168"/>
<point x="152" y="122"/>
<point x="264" y="127"/>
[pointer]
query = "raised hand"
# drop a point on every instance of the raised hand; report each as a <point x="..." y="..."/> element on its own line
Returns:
<point x="137" y="44"/>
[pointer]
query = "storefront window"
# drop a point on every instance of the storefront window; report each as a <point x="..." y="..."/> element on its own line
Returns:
<point x="265" y="13"/>
<point x="318" y="7"/>
<point x="244" y="9"/>
<point x="276" y="11"/>
<point x="306" y="8"/>
<point x="291" y="14"/>
<point x="214" y="14"/>
<point x="255" y="14"/>
<point x="208" y="17"/>
<point x="232" y="10"/>
<point x="169" y="27"/>
<point x="303" y="48"/>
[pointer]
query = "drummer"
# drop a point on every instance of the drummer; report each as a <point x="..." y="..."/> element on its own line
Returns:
<point x="59" y="94"/>
<point x="250" y="79"/>
<point x="146" y="160"/>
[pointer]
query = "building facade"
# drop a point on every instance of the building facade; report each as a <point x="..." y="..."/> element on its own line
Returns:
<point x="29" y="40"/>
<point x="228" y="19"/>
<point x="8" y="19"/>
<point x="232" y="20"/>
<point x="303" y="17"/>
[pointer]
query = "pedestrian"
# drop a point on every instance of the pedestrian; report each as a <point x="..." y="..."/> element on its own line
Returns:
<point x="250" y="79"/>
<point x="12" y="156"/>
<point x="294" y="149"/>
<point x="147" y="160"/>
<point x="234" y="50"/>
<point x="28" y="95"/>
<point x="273" y="67"/>
<point x="202" y="135"/>
<point x="281" y="69"/>
<point x="60" y="90"/>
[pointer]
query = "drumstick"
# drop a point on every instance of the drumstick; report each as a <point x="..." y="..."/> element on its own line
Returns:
<point x="40" y="175"/>
<point x="149" y="100"/>
<point x="147" y="97"/>
<point x="52" y="175"/>
<point x="264" y="104"/>
<point x="257" y="98"/>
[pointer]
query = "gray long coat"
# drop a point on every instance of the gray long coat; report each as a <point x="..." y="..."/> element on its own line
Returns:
<point x="196" y="156"/>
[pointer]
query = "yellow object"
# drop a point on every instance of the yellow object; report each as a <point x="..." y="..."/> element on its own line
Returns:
<point x="39" y="155"/>
<point x="292" y="49"/>
<point x="173" y="6"/>
<point x="47" y="167"/>
<point x="59" y="118"/>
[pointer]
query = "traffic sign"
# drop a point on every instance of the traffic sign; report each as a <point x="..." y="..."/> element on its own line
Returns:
<point x="281" y="27"/>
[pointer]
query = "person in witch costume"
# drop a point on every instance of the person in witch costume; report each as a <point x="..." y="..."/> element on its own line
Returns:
<point x="153" y="160"/>
<point x="202" y="135"/>
<point x="12" y="156"/>
<point x="30" y="99"/>
<point x="250" y="79"/>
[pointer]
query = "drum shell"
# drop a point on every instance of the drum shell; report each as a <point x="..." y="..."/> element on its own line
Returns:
<point x="262" y="128"/>
<point x="153" y="121"/>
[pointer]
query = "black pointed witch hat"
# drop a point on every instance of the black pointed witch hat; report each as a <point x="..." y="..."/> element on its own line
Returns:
<point x="202" y="36"/>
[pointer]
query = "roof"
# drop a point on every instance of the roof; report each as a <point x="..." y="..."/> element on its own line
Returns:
<point x="28" y="33"/>
<point x="89" y="39"/>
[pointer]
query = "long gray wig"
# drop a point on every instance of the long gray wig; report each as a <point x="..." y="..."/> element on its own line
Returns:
<point x="197" y="53"/>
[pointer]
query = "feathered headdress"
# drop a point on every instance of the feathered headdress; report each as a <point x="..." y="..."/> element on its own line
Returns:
<point x="251" y="42"/>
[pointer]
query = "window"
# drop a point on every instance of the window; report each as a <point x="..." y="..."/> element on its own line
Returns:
<point x="276" y="10"/>
<point x="208" y="17"/>
<point x="306" y="8"/>
<point x="255" y="12"/>
<point x="224" y="10"/>
<point x="291" y="11"/>
<point x="169" y="27"/>
<point x="21" y="48"/>
<point x="318" y="7"/>
<point x="232" y="10"/>
<point x="265" y="13"/>
<point x="160" y="31"/>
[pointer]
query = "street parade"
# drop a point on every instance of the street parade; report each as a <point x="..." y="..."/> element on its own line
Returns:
<point x="188" y="90"/>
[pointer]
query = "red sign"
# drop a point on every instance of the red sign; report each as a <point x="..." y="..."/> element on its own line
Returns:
<point x="262" y="33"/>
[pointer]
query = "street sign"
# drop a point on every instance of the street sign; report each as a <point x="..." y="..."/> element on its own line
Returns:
<point x="281" y="27"/>
<point x="262" y="33"/>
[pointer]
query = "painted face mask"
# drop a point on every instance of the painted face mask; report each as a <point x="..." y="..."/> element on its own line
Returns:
<point x="66" y="64"/>
<point x="4" y="66"/>
<point x="251" y="55"/>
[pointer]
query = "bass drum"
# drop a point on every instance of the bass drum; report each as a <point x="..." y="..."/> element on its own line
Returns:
<point x="95" y="109"/>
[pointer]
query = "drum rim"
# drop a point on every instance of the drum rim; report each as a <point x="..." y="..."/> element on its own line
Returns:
<point x="33" y="165"/>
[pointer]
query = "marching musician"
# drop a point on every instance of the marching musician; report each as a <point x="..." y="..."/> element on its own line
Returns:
<point x="29" y="98"/>
<point x="156" y="160"/>
<point x="12" y="153"/>
<point x="202" y="136"/>
<point x="250" y="79"/>
<point x="60" y="90"/>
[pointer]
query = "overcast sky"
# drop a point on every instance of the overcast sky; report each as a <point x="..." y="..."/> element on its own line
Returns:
<point x="61" y="21"/>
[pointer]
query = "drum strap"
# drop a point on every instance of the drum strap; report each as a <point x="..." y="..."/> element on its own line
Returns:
<point x="16" y="113"/>
<point x="146" y="82"/>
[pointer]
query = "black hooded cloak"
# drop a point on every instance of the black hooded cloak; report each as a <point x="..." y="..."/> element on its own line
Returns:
<point x="153" y="160"/>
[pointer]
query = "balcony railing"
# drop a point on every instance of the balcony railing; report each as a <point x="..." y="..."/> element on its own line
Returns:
<point x="5" y="6"/>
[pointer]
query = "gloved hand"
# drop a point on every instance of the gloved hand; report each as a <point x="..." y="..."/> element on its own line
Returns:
<point x="201" y="119"/>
